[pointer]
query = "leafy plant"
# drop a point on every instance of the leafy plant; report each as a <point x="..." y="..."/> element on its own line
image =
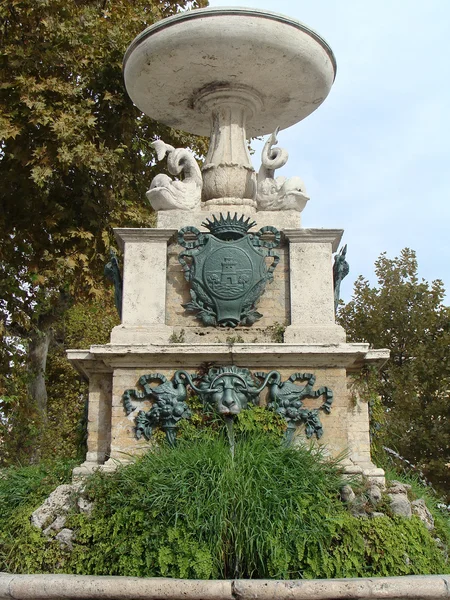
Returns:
<point x="277" y="332"/>
<point x="196" y="512"/>
<point x="408" y="316"/>
<point x="178" y="338"/>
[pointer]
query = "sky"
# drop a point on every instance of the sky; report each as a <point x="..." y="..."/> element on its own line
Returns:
<point x="375" y="156"/>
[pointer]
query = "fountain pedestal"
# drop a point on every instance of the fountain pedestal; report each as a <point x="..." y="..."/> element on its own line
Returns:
<point x="233" y="73"/>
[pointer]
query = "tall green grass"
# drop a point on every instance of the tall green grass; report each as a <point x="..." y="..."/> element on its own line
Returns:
<point x="241" y="516"/>
<point x="197" y="512"/>
<point x="32" y="483"/>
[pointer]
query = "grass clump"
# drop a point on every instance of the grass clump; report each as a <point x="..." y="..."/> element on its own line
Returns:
<point x="196" y="512"/>
<point x="22" y="490"/>
<point x="31" y="484"/>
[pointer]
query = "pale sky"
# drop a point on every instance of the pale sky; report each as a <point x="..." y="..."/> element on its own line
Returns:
<point x="375" y="156"/>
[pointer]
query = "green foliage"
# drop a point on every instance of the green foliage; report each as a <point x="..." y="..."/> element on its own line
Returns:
<point x="408" y="317"/>
<point x="63" y="434"/>
<point x="18" y="485"/>
<point x="75" y="161"/>
<point x="277" y="332"/>
<point x="439" y="511"/>
<point x="259" y="420"/>
<point x="22" y="489"/>
<point x="195" y="512"/>
<point x="206" y="423"/>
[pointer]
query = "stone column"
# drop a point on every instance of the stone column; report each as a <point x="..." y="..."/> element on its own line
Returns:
<point x="99" y="416"/>
<point x="228" y="174"/>
<point x="311" y="287"/>
<point x="358" y="444"/>
<point x="144" y="286"/>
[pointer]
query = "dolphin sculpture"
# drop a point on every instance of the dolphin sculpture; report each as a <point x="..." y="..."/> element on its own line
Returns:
<point x="171" y="194"/>
<point x="278" y="193"/>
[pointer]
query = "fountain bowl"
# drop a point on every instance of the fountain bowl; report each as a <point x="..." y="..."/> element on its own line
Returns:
<point x="283" y="68"/>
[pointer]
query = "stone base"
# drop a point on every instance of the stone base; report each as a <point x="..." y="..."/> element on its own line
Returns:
<point x="151" y="334"/>
<point x="368" y="471"/>
<point x="114" y="368"/>
<point x="84" y="470"/>
<point x="87" y="468"/>
<point x="314" y="334"/>
<point x="176" y="219"/>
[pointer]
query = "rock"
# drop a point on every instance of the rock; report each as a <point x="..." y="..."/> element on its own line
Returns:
<point x="374" y="494"/>
<point x="85" y="506"/>
<point x="396" y="487"/>
<point x="420" y="509"/>
<point x="347" y="494"/>
<point x="442" y="547"/>
<point x="375" y="515"/>
<point x="57" y="525"/>
<point x="58" y="503"/>
<point x="65" y="537"/>
<point x="358" y="509"/>
<point x="400" y="505"/>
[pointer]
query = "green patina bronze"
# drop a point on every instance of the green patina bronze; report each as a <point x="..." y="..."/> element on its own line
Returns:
<point x="112" y="273"/>
<point x="228" y="390"/>
<point x="169" y="404"/>
<point x="341" y="269"/>
<point x="286" y="398"/>
<point x="227" y="269"/>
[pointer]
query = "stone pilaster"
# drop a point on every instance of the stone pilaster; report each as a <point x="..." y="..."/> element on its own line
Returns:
<point x="311" y="287"/>
<point x="144" y="286"/>
<point x="99" y="411"/>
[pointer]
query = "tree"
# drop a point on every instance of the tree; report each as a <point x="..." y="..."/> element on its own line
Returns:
<point x="75" y="161"/>
<point x="408" y="317"/>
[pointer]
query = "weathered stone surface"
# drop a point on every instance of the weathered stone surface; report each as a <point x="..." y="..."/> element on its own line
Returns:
<point x="311" y="287"/>
<point x="58" y="503"/>
<point x="57" y="525"/>
<point x="65" y="537"/>
<point x="144" y="285"/>
<point x="347" y="494"/>
<point x="376" y="515"/>
<point x="419" y="587"/>
<point x="420" y="509"/>
<point x="400" y="505"/>
<point x="374" y="494"/>
<point x="67" y="587"/>
<point x="396" y="487"/>
<point x="84" y="506"/>
<point x="286" y="219"/>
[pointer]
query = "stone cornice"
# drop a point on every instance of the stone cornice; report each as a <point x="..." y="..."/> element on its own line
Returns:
<point x="315" y="236"/>
<point x="252" y="356"/>
<point x="86" y="364"/>
<point x="141" y="235"/>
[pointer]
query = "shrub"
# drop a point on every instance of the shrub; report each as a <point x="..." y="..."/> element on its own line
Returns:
<point x="197" y="512"/>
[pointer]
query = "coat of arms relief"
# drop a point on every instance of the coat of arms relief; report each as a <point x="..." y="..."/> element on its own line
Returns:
<point x="228" y="269"/>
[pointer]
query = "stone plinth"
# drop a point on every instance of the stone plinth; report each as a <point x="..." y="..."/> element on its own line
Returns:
<point x="176" y="219"/>
<point x="346" y="429"/>
<point x="311" y="286"/>
<point x="144" y="286"/>
<point x="299" y="299"/>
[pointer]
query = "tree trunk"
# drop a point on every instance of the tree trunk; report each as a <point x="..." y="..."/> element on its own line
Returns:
<point x="38" y="345"/>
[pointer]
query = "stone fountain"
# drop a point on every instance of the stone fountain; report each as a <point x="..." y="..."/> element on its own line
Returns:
<point x="228" y="278"/>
